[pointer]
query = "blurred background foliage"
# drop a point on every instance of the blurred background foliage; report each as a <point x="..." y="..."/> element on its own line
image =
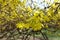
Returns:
<point x="18" y="21"/>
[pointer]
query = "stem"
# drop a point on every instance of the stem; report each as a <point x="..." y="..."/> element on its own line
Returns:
<point x="33" y="37"/>
<point x="44" y="35"/>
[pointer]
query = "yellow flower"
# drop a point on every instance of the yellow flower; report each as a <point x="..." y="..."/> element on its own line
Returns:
<point x="37" y="27"/>
<point x="56" y="0"/>
<point x="27" y="26"/>
<point x="36" y="13"/>
<point x="21" y="16"/>
<point x="29" y="9"/>
<point x="20" y="25"/>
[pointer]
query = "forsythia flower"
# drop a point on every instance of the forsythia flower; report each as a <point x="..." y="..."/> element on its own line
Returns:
<point x="20" y="25"/>
<point x="56" y="0"/>
<point x="21" y="16"/>
<point x="37" y="27"/>
<point x="36" y="13"/>
<point x="29" y="9"/>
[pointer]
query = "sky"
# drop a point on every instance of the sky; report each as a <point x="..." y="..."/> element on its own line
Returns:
<point x="40" y="3"/>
